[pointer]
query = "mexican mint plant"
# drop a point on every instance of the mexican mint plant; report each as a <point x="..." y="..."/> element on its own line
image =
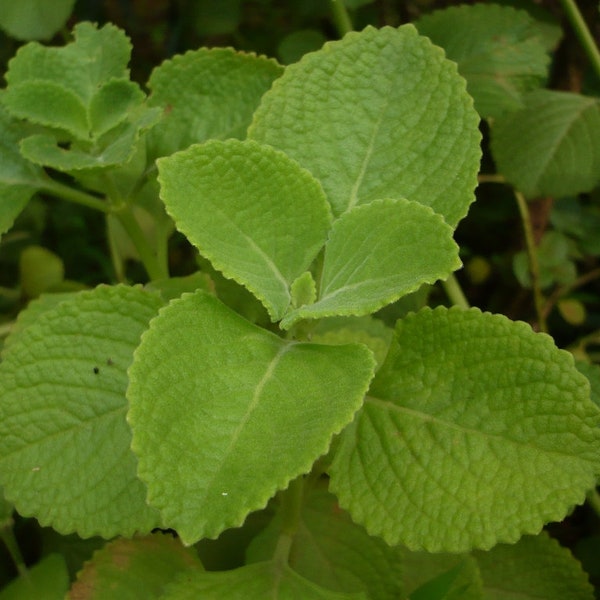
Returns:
<point x="381" y="462"/>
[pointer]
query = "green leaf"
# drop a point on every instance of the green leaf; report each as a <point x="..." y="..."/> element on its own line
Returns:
<point x="380" y="114"/>
<point x="377" y="253"/>
<point x="253" y="212"/>
<point x="262" y="580"/>
<point x="39" y="270"/>
<point x="592" y="372"/>
<point x="213" y="399"/>
<point x="62" y="414"/>
<point x="47" y="579"/>
<point x="499" y="51"/>
<point x="535" y="567"/>
<point x="439" y="588"/>
<point x="332" y="551"/>
<point x="134" y="569"/>
<point x="560" y="155"/>
<point x="34" y="19"/>
<point x="475" y="431"/>
<point x="207" y="93"/>
<point x="19" y="179"/>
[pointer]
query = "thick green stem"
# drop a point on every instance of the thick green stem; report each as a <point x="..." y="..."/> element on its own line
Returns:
<point x="291" y="507"/>
<point x="534" y="267"/>
<point x="583" y="33"/>
<point x="65" y="192"/>
<point x="455" y="293"/>
<point x="341" y="18"/>
<point x="8" y="537"/>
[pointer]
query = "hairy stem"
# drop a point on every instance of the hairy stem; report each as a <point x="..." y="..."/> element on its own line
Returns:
<point x="341" y="18"/>
<point x="291" y="506"/>
<point x="65" y="192"/>
<point x="455" y="293"/>
<point x="8" y="537"/>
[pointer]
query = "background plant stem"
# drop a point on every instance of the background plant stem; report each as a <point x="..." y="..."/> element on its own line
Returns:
<point x="66" y="192"/>
<point x="8" y="537"/>
<point x="534" y="267"/>
<point x="291" y="506"/>
<point x="455" y="293"/>
<point x="583" y="33"/>
<point x="341" y="18"/>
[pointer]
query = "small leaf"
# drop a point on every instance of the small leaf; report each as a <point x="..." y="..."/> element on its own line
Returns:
<point x="62" y="414"/>
<point x="39" y="270"/>
<point x="475" y="430"/>
<point x="253" y="212"/>
<point x="213" y="399"/>
<point x="34" y="19"/>
<point x="46" y="579"/>
<point x="377" y="253"/>
<point x="303" y="290"/>
<point x="332" y="551"/>
<point x="560" y="155"/>
<point x="136" y="569"/>
<point x="499" y="51"/>
<point x="207" y="93"/>
<point x="261" y="580"/>
<point x="535" y="567"/>
<point x="379" y="114"/>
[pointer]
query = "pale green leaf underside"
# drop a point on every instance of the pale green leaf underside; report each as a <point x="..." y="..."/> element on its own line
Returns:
<point x="560" y="155"/>
<point x="62" y="415"/>
<point x="34" y="19"/>
<point x="499" y="51"/>
<point x="207" y="93"/>
<point x="252" y="211"/>
<point x="380" y="114"/>
<point x="535" y="567"/>
<point x="331" y="550"/>
<point x="262" y="580"/>
<point x="475" y="431"/>
<point x="130" y="569"/>
<point x="224" y="413"/>
<point x="377" y="253"/>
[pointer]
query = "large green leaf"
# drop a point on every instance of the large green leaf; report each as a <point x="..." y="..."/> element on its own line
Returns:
<point x="65" y="453"/>
<point x="207" y="93"/>
<point x="135" y="569"/>
<point x="34" y="19"/>
<point x="499" y="51"/>
<point x="224" y="413"/>
<point x="47" y="579"/>
<point x="560" y="155"/>
<point x="476" y="430"/>
<point x="252" y="211"/>
<point x="262" y="580"/>
<point x="377" y="253"/>
<point x="331" y="550"/>
<point x="379" y="114"/>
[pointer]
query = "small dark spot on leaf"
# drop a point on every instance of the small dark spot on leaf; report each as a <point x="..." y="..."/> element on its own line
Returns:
<point x="109" y="362"/>
<point x="96" y="370"/>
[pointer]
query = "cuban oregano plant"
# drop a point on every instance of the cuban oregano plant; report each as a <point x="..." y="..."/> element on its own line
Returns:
<point x="322" y="193"/>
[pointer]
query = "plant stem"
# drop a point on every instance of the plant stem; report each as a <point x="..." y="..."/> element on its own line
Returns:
<point x="593" y="499"/>
<point x="341" y="18"/>
<point x="291" y="506"/>
<point x="455" y="293"/>
<point x="66" y="192"/>
<point x="567" y="289"/>
<point x="534" y="267"/>
<point x="8" y="537"/>
<point x="583" y="33"/>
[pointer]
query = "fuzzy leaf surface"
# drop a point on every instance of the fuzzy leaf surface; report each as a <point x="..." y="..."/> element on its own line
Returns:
<point x="62" y="414"/>
<point x="34" y="19"/>
<point x="535" y="567"/>
<point x="476" y="430"/>
<point x="379" y="114"/>
<point x="224" y="413"/>
<point x="261" y="580"/>
<point x="207" y="93"/>
<point x="377" y="253"/>
<point x="499" y="51"/>
<point x="133" y="569"/>
<point x="253" y="212"/>
<point x="331" y="550"/>
<point x="560" y="155"/>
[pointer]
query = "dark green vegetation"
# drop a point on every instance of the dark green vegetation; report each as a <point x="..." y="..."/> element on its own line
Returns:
<point x="240" y="351"/>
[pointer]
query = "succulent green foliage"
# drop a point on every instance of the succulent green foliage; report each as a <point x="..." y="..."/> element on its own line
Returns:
<point x="224" y="413"/>
<point x="499" y="51"/>
<point x="19" y="179"/>
<point x="379" y="114"/>
<point x="253" y="212"/>
<point x="261" y="580"/>
<point x="62" y="414"/>
<point x="475" y="431"/>
<point x="34" y="19"/>
<point x="82" y="93"/>
<point x="560" y="155"/>
<point x="133" y="569"/>
<point x="377" y="253"/>
<point x="46" y="579"/>
<point x="535" y="567"/>
<point x="207" y="94"/>
<point x="331" y="550"/>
